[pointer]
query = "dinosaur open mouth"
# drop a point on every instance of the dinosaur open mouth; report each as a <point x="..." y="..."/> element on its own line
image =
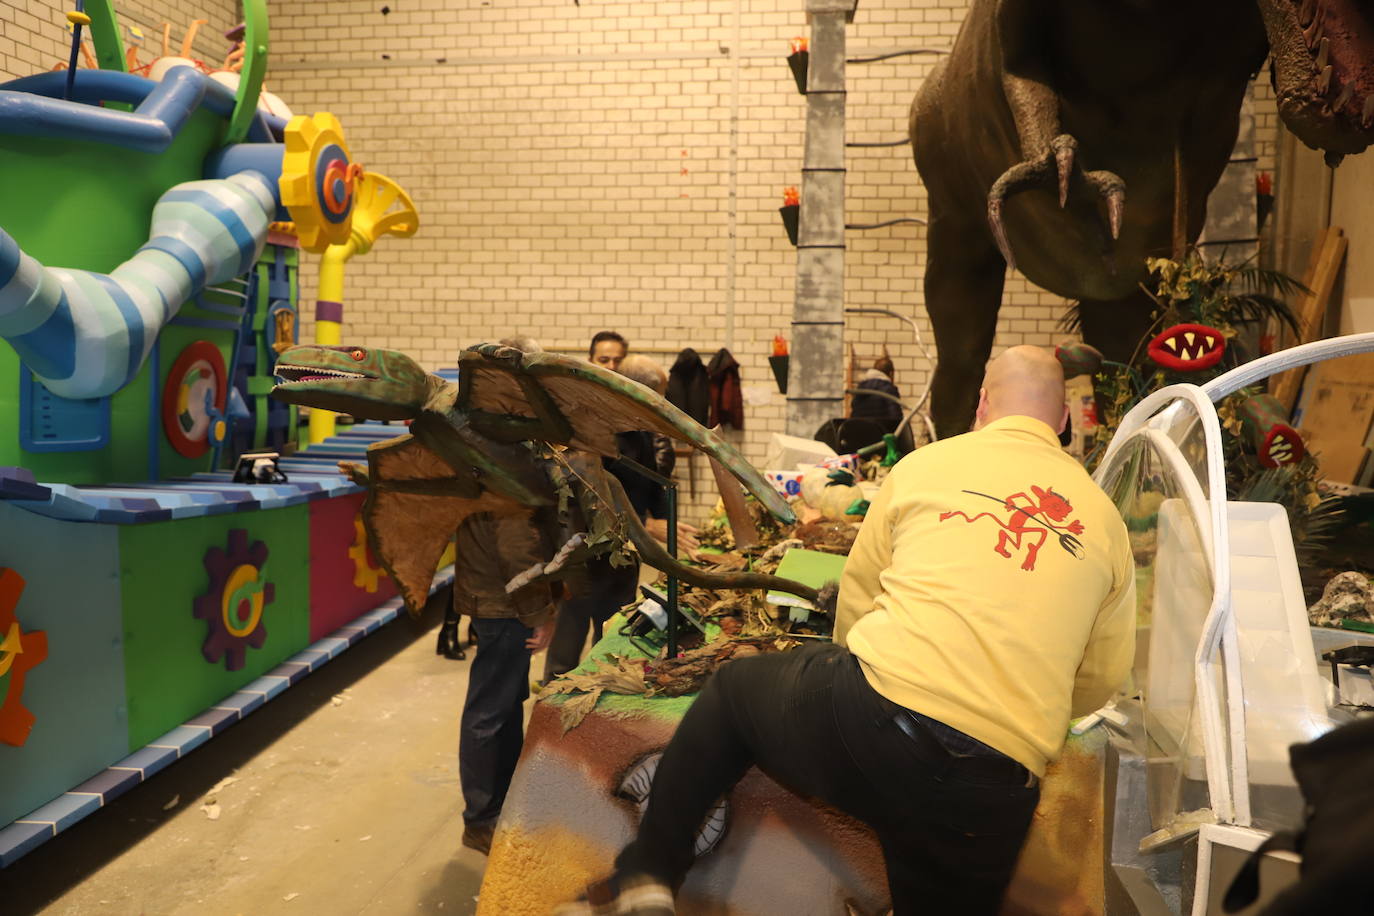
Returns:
<point x="292" y="374"/>
<point x="1340" y="38"/>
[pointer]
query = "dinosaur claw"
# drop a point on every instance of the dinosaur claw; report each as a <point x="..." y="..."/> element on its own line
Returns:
<point x="1116" y="208"/>
<point x="999" y="232"/>
<point x="1065" y="148"/>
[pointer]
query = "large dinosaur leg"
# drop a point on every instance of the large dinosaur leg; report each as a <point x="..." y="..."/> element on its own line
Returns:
<point x="653" y="553"/>
<point x="1116" y="328"/>
<point x="963" y="287"/>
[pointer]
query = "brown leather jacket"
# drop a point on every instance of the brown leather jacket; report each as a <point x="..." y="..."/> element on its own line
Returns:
<point x="490" y="551"/>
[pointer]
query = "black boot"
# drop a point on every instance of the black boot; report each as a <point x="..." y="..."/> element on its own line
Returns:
<point x="449" y="645"/>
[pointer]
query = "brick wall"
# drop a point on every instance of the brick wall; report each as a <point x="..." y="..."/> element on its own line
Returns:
<point x="608" y="164"/>
<point x="33" y="35"/>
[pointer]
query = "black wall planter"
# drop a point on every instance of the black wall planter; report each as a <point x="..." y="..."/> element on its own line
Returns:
<point x="791" y="220"/>
<point x="779" y="365"/>
<point x="798" y="61"/>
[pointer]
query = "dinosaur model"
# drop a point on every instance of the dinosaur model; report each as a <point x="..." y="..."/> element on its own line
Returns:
<point x="519" y="433"/>
<point x="1048" y="115"/>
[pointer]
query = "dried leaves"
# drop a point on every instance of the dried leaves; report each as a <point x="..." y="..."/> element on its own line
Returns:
<point x="614" y="674"/>
<point x="675" y="677"/>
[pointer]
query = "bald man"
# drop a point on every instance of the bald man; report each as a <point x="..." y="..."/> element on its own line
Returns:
<point x="988" y="599"/>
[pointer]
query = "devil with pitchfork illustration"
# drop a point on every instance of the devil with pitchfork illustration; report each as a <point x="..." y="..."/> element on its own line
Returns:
<point x="1030" y="524"/>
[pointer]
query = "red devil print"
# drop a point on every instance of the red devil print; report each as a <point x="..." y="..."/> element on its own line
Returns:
<point x="1030" y="523"/>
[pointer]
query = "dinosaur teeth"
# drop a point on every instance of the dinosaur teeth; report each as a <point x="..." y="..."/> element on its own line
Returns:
<point x="1344" y="97"/>
<point x="1323" y="53"/>
<point x="1367" y="117"/>
<point x="313" y="374"/>
<point x="1324" y="80"/>
<point x="1309" y="9"/>
<point x="1313" y="33"/>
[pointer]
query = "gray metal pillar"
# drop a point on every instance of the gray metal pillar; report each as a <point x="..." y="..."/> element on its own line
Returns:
<point x="815" y="384"/>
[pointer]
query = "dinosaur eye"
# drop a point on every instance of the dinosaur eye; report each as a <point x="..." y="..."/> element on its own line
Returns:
<point x="358" y="354"/>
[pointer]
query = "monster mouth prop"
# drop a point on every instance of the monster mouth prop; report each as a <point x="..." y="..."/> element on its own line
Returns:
<point x="1282" y="445"/>
<point x="1188" y="348"/>
<point x="291" y="375"/>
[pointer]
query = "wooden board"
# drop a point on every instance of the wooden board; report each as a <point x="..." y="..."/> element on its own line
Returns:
<point x="1324" y="268"/>
<point x="1338" y="409"/>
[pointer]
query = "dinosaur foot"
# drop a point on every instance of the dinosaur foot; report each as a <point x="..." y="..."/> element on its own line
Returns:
<point x="1057" y="169"/>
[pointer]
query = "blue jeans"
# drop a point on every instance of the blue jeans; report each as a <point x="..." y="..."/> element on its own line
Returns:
<point x="493" y="727"/>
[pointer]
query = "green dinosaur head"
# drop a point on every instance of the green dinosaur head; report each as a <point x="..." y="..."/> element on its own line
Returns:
<point x="371" y="384"/>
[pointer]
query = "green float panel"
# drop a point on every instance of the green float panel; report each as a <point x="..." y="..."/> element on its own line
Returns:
<point x="172" y="569"/>
<point x="58" y="202"/>
<point x="76" y="693"/>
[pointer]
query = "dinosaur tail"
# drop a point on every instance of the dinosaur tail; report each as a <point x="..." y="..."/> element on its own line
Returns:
<point x="86" y="334"/>
<point x="652" y="552"/>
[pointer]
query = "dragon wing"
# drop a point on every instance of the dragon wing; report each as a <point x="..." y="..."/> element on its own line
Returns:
<point x="509" y="394"/>
<point x="414" y="505"/>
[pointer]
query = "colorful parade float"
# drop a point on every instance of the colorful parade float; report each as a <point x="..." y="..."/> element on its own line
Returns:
<point x="168" y="561"/>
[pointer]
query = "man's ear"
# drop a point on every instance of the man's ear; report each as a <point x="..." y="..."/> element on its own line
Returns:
<point x="1063" y="421"/>
<point x="980" y="416"/>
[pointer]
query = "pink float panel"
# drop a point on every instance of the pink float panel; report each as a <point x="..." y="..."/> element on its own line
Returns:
<point x="345" y="577"/>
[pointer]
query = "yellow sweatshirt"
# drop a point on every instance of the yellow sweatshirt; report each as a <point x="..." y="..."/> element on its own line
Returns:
<point x="992" y="588"/>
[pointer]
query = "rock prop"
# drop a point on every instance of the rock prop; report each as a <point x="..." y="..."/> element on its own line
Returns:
<point x="1348" y="596"/>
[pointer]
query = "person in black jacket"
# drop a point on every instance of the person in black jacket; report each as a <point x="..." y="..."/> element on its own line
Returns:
<point x="877" y="407"/>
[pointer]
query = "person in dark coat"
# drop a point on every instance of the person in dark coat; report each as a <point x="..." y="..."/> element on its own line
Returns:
<point x="876" y="407"/>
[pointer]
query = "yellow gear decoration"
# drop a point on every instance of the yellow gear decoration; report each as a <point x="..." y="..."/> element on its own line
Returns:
<point x="303" y="168"/>
<point x="365" y="575"/>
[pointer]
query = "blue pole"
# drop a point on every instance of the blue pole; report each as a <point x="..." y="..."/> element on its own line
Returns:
<point x="76" y="51"/>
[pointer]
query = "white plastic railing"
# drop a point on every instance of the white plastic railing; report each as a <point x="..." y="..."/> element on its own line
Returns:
<point x="1228" y="786"/>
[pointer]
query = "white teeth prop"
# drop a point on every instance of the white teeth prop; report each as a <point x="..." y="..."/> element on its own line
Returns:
<point x="1190" y="337"/>
<point x="1185" y="355"/>
<point x="292" y="374"/>
<point x="1171" y="344"/>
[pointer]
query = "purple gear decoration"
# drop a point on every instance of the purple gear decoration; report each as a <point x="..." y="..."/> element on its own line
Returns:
<point x="220" y="642"/>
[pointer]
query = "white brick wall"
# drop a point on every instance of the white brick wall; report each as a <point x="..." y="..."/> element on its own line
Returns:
<point x="572" y="167"/>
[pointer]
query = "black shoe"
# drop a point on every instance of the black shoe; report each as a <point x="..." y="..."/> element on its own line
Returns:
<point x="478" y="837"/>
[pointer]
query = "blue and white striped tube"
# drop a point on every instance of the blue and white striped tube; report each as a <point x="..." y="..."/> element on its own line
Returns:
<point x="84" y="334"/>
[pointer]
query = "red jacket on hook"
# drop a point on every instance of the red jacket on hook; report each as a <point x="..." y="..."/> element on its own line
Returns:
<point x="727" y="400"/>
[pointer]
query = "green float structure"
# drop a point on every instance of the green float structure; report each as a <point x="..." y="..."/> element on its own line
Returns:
<point x="149" y="597"/>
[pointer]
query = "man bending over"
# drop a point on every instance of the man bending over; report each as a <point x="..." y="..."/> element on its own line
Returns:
<point x="988" y="599"/>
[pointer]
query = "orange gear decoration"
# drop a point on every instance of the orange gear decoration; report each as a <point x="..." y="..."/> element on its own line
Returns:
<point x="319" y="181"/>
<point x="20" y="653"/>
<point x="366" y="571"/>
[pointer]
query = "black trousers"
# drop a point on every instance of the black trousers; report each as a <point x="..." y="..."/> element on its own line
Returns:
<point x="951" y="813"/>
<point x="493" y="725"/>
<point x="611" y="588"/>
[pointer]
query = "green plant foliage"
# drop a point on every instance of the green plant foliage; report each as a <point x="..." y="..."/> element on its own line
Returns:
<point x="1238" y="300"/>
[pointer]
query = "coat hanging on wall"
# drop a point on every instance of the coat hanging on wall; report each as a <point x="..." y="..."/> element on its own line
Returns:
<point x="689" y="388"/>
<point x="727" y="399"/>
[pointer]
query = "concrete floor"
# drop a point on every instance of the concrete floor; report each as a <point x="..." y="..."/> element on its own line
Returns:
<point x="340" y="796"/>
